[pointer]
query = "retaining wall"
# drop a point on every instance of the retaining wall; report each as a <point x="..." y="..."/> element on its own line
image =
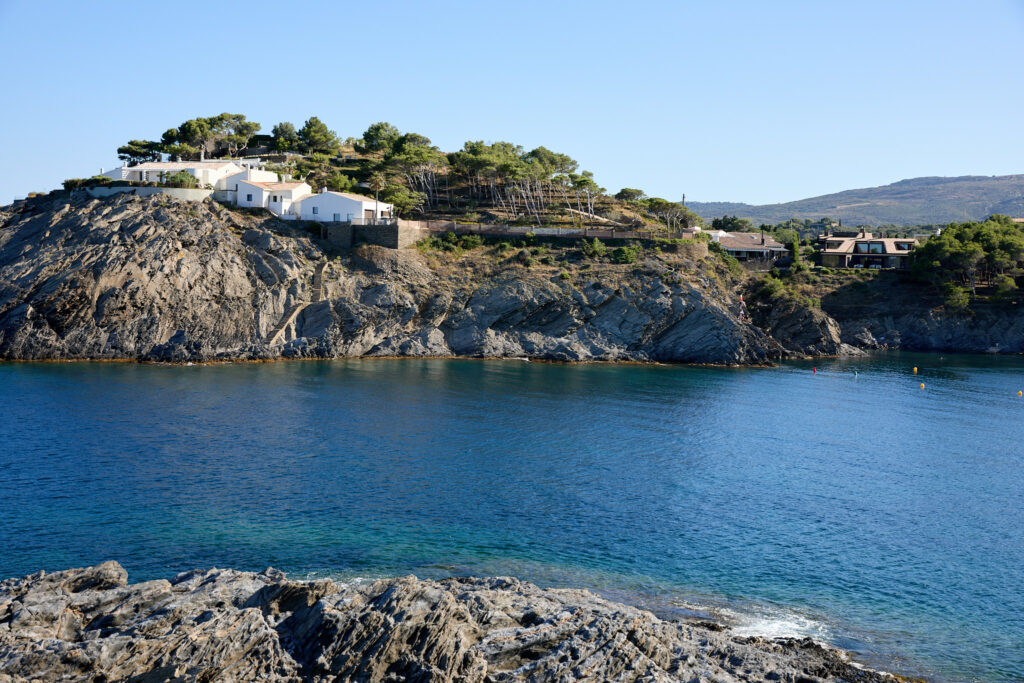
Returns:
<point x="182" y="193"/>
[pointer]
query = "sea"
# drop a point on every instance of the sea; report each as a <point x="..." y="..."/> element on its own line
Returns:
<point x="876" y="504"/>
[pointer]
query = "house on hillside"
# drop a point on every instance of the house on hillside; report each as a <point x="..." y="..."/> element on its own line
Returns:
<point x="279" y="198"/>
<point x="344" y="207"/>
<point x="749" y="246"/>
<point x="205" y="172"/>
<point x="866" y="251"/>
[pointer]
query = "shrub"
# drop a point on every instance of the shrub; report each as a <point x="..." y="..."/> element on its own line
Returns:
<point x="564" y="275"/>
<point x="75" y="183"/>
<point x="957" y="298"/>
<point x="593" y="249"/>
<point x="470" y="241"/>
<point x="1006" y="289"/>
<point x="626" y="254"/>
<point x="548" y="260"/>
<point x="771" y="287"/>
<point x="182" y="179"/>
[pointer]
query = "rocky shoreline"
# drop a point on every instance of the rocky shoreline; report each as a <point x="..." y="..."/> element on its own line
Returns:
<point x="156" y="279"/>
<point x="224" y="625"/>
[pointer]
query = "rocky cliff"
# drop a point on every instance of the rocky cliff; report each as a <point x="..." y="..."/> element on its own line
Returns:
<point x="157" y="279"/>
<point x="225" y="625"/>
<point x="885" y="312"/>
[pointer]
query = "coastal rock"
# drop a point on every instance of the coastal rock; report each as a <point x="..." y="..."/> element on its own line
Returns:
<point x="157" y="279"/>
<point x="225" y="625"/>
<point x="802" y="330"/>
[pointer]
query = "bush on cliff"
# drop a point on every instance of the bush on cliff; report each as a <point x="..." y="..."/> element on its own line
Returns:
<point x="626" y="254"/>
<point x="593" y="249"/>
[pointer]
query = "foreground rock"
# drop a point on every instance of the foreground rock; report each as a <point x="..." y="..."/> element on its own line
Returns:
<point x="225" y="625"/>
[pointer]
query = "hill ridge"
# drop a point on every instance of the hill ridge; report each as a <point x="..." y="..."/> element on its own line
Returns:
<point x="926" y="200"/>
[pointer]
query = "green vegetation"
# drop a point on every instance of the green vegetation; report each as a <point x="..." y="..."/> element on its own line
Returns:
<point x="498" y="182"/>
<point x="967" y="256"/>
<point x="450" y="242"/>
<point x="75" y="183"/>
<point x="182" y="179"/>
<point x="316" y="138"/>
<point x="202" y="137"/>
<point x="626" y="254"/>
<point x="593" y="248"/>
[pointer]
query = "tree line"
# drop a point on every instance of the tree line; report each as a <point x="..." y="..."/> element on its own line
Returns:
<point x="965" y="256"/>
<point x="406" y="169"/>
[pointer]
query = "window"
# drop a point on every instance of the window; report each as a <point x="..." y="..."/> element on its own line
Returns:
<point x="273" y="198"/>
<point x="877" y="248"/>
<point x="904" y="246"/>
<point x="248" y="197"/>
<point x="861" y="247"/>
<point x="337" y="218"/>
<point x="316" y="210"/>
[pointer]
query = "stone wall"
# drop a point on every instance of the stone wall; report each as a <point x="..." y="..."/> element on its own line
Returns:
<point x="339" y="234"/>
<point x="182" y="193"/>
<point x="400" y="236"/>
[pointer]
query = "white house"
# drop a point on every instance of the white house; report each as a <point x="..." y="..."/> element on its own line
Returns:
<point x="205" y="172"/>
<point x="276" y="197"/>
<point x="256" y="174"/>
<point x="344" y="207"/>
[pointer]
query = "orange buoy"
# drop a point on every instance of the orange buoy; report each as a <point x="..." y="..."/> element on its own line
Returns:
<point x="1020" y="393"/>
<point x="922" y="385"/>
<point x="915" y="370"/>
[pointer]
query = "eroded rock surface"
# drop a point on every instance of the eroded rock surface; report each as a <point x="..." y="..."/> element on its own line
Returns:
<point x="157" y="279"/>
<point x="224" y="625"/>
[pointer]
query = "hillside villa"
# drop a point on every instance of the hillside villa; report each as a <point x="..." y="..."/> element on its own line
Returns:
<point x="748" y="246"/>
<point x="244" y="183"/>
<point x="864" y="250"/>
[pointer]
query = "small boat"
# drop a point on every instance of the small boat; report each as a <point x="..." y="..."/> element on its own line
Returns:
<point x="993" y="349"/>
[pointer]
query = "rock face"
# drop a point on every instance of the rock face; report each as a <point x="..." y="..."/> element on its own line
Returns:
<point x="225" y="625"/>
<point x="157" y="279"/>
<point x="800" y="329"/>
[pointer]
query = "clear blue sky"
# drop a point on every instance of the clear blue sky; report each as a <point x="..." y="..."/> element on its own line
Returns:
<point x="727" y="101"/>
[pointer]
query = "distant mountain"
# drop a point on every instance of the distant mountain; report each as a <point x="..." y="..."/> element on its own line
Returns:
<point x="918" y="201"/>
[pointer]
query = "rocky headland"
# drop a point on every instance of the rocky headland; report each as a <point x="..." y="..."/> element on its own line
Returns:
<point x="225" y="625"/>
<point x="155" y="279"/>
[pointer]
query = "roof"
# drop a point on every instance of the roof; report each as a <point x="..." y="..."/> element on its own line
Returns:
<point x="168" y="165"/>
<point x="846" y="245"/>
<point x="273" y="186"/>
<point x="354" y="197"/>
<point x="749" y="241"/>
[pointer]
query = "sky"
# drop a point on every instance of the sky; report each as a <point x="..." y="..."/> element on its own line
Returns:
<point x="731" y="100"/>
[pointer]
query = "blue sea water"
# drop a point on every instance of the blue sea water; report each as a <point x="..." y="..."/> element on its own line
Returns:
<point x="850" y="504"/>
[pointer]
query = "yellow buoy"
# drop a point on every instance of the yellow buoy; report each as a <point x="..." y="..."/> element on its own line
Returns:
<point x="922" y="385"/>
<point x="915" y="370"/>
<point x="1020" y="393"/>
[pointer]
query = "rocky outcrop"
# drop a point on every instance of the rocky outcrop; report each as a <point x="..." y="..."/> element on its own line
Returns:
<point x="993" y="330"/>
<point x="157" y="279"/>
<point x="801" y="329"/>
<point x="224" y="625"/>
